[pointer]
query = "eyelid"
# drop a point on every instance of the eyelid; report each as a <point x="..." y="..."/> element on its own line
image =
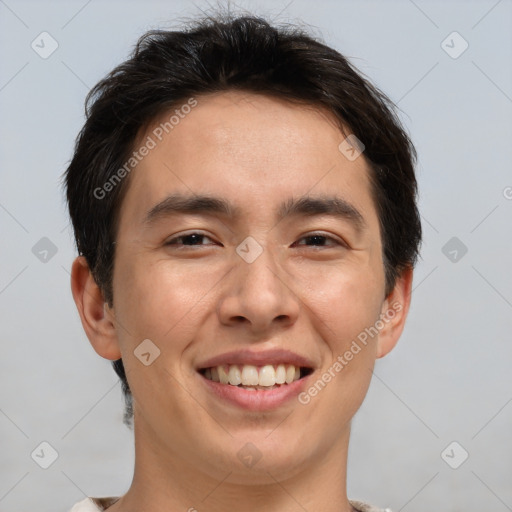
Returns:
<point x="183" y="235"/>
<point x="338" y="240"/>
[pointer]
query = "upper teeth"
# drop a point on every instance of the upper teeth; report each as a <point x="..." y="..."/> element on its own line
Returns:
<point x="249" y="375"/>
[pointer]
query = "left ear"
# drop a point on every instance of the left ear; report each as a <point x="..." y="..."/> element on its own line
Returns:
<point x="394" y="312"/>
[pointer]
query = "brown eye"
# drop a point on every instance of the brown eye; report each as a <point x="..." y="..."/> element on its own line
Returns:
<point x="190" y="239"/>
<point x="320" y="240"/>
<point x="316" y="239"/>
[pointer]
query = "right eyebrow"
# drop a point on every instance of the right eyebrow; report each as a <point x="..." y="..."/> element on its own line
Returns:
<point x="179" y="203"/>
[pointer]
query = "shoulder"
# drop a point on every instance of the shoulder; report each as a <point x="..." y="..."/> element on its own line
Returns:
<point x="360" y="506"/>
<point x="86" y="505"/>
<point x="93" y="504"/>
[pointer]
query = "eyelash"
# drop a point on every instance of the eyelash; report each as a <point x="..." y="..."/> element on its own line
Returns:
<point x="312" y="235"/>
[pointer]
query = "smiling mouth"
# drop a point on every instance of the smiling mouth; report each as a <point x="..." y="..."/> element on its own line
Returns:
<point x="253" y="377"/>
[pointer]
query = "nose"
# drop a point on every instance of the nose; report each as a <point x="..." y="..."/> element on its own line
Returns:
<point x="259" y="295"/>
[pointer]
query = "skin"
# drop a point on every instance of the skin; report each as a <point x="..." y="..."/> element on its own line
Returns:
<point x="197" y="301"/>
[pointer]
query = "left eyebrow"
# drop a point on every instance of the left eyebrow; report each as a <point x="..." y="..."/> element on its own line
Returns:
<point x="307" y="206"/>
<point x="322" y="205"/>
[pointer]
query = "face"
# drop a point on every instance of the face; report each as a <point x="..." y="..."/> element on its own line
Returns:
<point x="283" y="268"/>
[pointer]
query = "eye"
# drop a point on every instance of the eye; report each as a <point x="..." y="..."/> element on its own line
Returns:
<point x="190" y="239"/>
<point x="318" y="240"/>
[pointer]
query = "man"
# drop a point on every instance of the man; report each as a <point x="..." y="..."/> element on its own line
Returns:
<point x="244" y="206"/>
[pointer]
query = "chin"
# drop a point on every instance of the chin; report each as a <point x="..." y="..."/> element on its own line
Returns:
<point x="261" y="458"/>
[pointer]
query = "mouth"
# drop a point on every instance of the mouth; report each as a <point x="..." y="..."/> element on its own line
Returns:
<point x="256" y="378"/>
<point x="256" y="381"/>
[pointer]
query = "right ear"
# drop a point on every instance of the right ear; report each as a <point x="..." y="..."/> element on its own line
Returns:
<point x="96" y="316"/>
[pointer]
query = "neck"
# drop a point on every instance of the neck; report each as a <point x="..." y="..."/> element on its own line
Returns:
<point x="165" y="481"/>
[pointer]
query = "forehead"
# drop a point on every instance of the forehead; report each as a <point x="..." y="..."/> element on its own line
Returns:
<point x="254" y="148"/>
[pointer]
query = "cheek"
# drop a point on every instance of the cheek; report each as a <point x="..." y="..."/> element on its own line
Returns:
<point x="343" y="308"/>
<point x="162" y="301"/>
<point x="159" y="302"/>
<point x="342" y="300"/>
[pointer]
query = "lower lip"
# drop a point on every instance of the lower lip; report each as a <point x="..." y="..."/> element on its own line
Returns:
<point x="258" y="400"/>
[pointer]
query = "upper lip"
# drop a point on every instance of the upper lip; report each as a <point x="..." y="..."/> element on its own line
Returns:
<point x="260" y="358"/>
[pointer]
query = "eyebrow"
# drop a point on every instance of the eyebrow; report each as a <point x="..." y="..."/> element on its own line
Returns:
<point x="307" y="206"/>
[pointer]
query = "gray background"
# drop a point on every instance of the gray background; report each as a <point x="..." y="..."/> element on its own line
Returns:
<point x="448" y="379"/>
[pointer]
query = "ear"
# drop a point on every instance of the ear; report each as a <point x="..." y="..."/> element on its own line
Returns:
<point x="97" y="318"/>
<point x="394" y="312"/>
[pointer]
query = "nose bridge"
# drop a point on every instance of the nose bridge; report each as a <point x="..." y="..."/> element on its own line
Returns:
<point x="260" y="265"/>
<point x="258" y="292"/>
